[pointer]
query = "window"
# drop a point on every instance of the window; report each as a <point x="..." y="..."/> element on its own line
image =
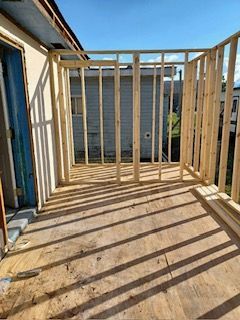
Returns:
<point x="234" y="105"/>
<point x="76" y="105"/>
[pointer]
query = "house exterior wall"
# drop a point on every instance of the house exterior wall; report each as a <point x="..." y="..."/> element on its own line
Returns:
<point x="235" y="108"/>
<point x="41" y="117"/>
<point x="108" y="118"/>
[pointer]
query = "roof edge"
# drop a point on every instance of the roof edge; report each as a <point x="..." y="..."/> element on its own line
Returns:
<point x="53" y="12"/>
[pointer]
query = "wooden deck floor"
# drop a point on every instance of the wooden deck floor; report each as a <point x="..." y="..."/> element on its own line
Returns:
<point x="106" y="173"/>
<point x="149" y="251"/>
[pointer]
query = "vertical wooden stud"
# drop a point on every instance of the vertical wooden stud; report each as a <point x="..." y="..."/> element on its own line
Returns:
<point x="216" y="112"/>
<point x="192" y="106"/>
<point x="183" y="121"/>
<point x="57" y="126"/>
<point x="84" y="113"/>
<point x="170" y="117"/>
<point x="187" y="109"/>
<point x="200" y="93"/>
<point x="69" y="116"/>
<point x="210" y="114"/>
<point x="160" y="125"/>
<point x="154" y="112"/>
<point x="136" y="117"/>
<point x="62" y="106"/>
<point x="227" y="115"/>
<point x="117" y="121"/>
<point x="236" y="164"/>
<point x="101" y="113"/>
<point x="204" y="119"/>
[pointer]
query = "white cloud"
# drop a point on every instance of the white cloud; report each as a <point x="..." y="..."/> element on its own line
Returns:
<point x="107" y="58"/>
<point x="167" y="58"/>
<point x="237" y="68"/>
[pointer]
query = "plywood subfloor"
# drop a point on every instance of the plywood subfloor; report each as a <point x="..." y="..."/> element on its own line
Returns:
<point x="149" y="251"/>
<point x="106" y="173"/>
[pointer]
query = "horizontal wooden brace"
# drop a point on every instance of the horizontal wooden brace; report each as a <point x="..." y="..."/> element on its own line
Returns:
<point x="88" y="63"/>
<point x="165" y="51"/>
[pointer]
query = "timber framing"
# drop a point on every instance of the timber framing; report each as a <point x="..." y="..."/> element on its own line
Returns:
<point x="200" y="112"/>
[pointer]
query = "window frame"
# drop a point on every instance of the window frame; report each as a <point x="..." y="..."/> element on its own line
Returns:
<point x="75" y="96"/>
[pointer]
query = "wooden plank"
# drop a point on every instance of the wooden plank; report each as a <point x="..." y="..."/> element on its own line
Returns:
<point x="100" y="95"/>
<point x="210" y="113"/>
<point x="188" y="112"/>
<point x="192" y="106"/>
<point x="183" y="120"/>
<point x="200" y="94"/>
<point x="63" y="125"/>
<point x="75" y="52"/>
<point x="154" y="112"/>
<point x="69" y="116"/>
<point x="204" y="119"/>
<point x="160" y="121"/>
<point x="84" y="115"/>
<point x="84" y="64"/>
<point x="227" y="115"/>
<point x="136" y="116"/>
<point x="212" y="198"/>
<point x="166" y="63"/>
<point x="3" y="222"/>
<point x="117" y="122"/>
<point x="170" y="117"/>
<point x="235" y="194"/>
<point x="199" y="255"/>
<point x="216" y="112"/>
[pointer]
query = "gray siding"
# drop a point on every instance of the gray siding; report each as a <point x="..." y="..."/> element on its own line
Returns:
<point x="108" y="118"/>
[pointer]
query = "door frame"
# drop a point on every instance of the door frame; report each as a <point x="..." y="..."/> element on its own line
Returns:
<point x="17" y="45"/>
<point x="8" y="138"/>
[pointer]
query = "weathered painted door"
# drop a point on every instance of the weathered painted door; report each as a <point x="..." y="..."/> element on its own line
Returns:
<point x="6" y="156"/>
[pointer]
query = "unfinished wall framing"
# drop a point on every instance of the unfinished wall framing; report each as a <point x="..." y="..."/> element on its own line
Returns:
<point x="200" y="112"/>
<point x="114" y="66"/>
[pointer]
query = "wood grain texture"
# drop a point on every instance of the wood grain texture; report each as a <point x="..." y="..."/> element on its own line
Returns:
<point x="134" y="251"/>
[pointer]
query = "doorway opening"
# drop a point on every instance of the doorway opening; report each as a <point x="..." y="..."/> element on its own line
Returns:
<point x="16" y="163"/>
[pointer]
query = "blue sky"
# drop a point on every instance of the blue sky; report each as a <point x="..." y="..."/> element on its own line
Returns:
<point x="151" y="24"/>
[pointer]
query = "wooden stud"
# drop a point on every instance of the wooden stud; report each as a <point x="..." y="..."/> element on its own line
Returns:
<point x="154" y="112"/>
<point x="160" y="124"/>
<point x="69" y="115"/>
<point x="53" y="60"/>
<point x="192" y="106"/>
<point x="204" y="119"/>
<point x="216" y="112"/>
<point x="227" y="115"/>
<point x="62" y="107"/>
<point x="200" y="94"/>
<point x="117" y="121"/>
<point x="171" y="117"/>
<point x="136" y="116"/>
<point x="210" y="113"/>
<point x="84" y="115"/>
<point x="188" y="110"/>
<point x="235" y="194"/>
<point x="183" y="138"/>
<point x="100" y="95"/>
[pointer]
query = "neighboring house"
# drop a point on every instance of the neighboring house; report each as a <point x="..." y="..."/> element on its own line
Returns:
<point x="235" y="108"/>
<point x="28" y="161"/>
<point x="93" y="121"/>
